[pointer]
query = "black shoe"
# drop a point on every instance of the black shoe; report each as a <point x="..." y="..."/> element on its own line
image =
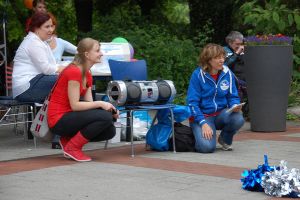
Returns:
<point x="56" y="145"/>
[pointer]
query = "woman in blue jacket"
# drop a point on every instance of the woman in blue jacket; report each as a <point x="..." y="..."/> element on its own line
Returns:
<point x="212" y="91"/>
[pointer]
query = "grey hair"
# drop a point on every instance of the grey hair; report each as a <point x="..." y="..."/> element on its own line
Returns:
<point x="233" y="35"/>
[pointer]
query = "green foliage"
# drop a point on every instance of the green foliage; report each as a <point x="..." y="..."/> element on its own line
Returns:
<point x="15" y="28"/>
<point x="64" y="12"/>
<point x="292" y="117"/>
<point x="177" y="12"/>
<point x="294" y="96"/>
<point x="205" y="36"/>
<point x="17" y="14"/>
<point x="168" y="56"/>
<point x="296" y="46"/>
<point x="272" y="17"/>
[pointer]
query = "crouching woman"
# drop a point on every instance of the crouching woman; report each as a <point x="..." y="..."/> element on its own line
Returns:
<point x="72" y="113"/>
<point x="212" y="91"/>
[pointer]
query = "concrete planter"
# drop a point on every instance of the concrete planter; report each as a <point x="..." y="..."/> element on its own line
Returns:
<point x="268" y="71"/>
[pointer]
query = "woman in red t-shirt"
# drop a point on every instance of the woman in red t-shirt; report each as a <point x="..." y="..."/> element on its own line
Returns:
<point x="72" y="113"/>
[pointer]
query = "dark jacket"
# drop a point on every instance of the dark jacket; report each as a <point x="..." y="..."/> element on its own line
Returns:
<point x="235" y="63"/>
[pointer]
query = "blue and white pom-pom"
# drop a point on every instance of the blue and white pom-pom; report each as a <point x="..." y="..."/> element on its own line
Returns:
<point x="282" y="182"/>
<point x="252" y="178"/>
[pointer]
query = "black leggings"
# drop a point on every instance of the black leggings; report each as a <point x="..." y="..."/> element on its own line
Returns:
<point x="94" y="125"/>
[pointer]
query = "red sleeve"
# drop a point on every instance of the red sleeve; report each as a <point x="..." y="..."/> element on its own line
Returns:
<point x="73" y="73"/>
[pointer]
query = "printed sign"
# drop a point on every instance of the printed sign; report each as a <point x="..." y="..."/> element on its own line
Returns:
<point x="114" y="51"/>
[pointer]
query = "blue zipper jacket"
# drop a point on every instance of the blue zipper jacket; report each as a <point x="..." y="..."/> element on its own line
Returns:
<point x="205" y="96"/>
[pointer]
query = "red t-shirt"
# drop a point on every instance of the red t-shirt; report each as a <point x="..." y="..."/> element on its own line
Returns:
<point x="215" y="76"/>
<point x="59" y="102"/>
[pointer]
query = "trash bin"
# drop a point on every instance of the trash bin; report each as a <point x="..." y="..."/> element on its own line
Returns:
<point x="268" y="71"/>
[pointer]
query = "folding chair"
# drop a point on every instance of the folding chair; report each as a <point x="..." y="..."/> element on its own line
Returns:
<point x="15" y="112"/>
<point x="12" y="112"/>
<point x="136" y="70"/>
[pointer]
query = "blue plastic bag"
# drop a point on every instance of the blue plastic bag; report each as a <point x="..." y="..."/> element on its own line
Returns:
<point x="143" y="115"/>
<point x="180" y="112"/>
<point x="158" y="136"/>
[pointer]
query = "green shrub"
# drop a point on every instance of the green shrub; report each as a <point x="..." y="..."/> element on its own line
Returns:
<point x="168" y="56"/>
<point x="272" y="17"/>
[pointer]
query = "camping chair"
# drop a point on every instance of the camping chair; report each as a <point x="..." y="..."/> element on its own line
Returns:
<point x="136" y="70"/>
<point x="15" y="112"/>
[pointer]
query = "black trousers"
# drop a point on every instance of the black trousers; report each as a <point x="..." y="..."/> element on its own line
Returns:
<point x="94" y="125"/>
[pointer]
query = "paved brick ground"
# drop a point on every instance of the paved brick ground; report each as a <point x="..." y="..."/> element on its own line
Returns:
<point x="165" y="175"/>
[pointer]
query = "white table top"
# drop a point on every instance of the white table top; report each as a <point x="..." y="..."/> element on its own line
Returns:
<point x="110" y="50"/>
<point x="98" y="69"/>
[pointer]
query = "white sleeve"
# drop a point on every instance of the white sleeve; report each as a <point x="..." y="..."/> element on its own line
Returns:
<point x="39" y="56"/>
<point x="68" y="47"/>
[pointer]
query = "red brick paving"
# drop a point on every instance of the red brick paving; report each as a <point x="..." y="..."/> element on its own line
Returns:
<point x="170" y="165"/>
<point x="121" y="155"/>
<point x="30" y="164"/>
<point x="274" y="136"/>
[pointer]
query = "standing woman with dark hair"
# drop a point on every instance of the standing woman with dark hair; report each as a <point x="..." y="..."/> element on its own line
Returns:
<point x="37" y="6"/>
<point x="35" y="68"/>
<point x="72" y="113"/>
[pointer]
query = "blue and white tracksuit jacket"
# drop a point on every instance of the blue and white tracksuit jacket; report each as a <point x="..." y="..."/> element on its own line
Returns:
<point x="205" y="96"/>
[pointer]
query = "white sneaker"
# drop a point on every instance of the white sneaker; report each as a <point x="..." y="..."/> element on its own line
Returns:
<point x="224" y="146"/>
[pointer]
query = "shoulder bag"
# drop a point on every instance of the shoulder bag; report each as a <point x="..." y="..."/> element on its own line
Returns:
<point x="39" y="127"/>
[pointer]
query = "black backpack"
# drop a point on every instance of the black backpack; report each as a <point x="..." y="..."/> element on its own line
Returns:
<point x="184" y="138"/>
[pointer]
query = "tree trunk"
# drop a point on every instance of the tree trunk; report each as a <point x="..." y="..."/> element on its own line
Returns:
<point x="218" y="14"/>
<point x="104" y="7"/>
<point x="147" y="6"/>
<point x="84" y="14"/>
